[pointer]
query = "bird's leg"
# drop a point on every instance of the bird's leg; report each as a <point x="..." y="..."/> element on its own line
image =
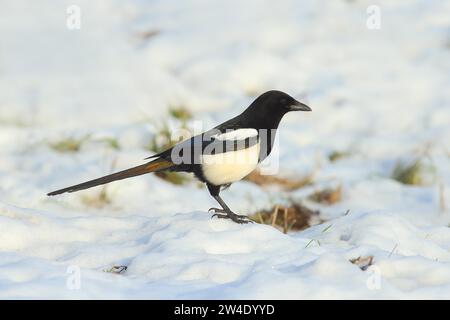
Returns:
<point x="226" y="213"/>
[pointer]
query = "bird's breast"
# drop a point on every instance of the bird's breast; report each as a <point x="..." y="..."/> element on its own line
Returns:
<point x="228" y="167"/>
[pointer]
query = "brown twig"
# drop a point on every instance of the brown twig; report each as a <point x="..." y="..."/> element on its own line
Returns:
<point x="442" y="197"/>
<point x="274" y="215"/>
<point x="285" y="226"/>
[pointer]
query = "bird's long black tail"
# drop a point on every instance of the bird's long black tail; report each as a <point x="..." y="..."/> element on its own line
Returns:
<point x="153" y="166"/>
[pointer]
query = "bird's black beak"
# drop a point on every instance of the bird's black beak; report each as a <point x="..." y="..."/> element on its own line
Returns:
<point x="298" y="106"/>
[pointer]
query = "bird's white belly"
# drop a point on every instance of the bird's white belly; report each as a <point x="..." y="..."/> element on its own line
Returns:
<point x="229" y="167"/>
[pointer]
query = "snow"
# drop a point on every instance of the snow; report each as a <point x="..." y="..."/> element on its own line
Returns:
<point x="381" y="95"/>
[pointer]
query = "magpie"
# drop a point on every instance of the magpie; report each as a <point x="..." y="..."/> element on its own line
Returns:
<point x="220" y="156"/>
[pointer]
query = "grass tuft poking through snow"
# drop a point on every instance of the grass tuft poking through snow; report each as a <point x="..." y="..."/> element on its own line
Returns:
<point x="70" y="144"/>
<point x="416" y="172"/>
<point x="163" y="139"/>
<point x="290" y="218"/>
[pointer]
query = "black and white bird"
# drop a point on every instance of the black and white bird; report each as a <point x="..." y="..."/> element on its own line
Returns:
<point x="220" y="156"/>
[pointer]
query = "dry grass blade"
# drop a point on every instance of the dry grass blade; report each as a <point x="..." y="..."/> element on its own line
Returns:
<point x="311" y="241"/>
<point x="274" y="215"/>
<point x="327" y="196"/>
<point x="99" y="200"/>
<point x="295" y="217"/>
<point x="286" y="184"/>
<point x="70" y="144"/>
<point x="442" y="205"/>
<point x="102" y="199"/>
<point x="393" y="249"/>
<point x="285" y="217"/>
<point x="145" y="35"/>
<point x="261" y="220"/>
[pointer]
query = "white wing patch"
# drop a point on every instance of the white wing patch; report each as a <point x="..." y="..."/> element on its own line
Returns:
<point x="239" y="134"/>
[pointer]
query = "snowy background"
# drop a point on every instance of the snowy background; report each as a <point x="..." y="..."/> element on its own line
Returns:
<point x="379" y="98"/>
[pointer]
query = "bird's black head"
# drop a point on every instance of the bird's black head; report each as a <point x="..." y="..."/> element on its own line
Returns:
<point x="268" y="109"/>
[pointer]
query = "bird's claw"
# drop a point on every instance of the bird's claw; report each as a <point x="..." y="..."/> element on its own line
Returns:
<point x="241" y="219"/>
<point x="220" y="216"/>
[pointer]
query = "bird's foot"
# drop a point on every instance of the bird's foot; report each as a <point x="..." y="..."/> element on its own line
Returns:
<point x="224" y="214"/>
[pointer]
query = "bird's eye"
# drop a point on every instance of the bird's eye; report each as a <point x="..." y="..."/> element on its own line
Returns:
<point x="283" y="101"/>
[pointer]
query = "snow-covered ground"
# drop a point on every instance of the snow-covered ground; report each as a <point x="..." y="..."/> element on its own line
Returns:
<point x="382" y="96"/>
